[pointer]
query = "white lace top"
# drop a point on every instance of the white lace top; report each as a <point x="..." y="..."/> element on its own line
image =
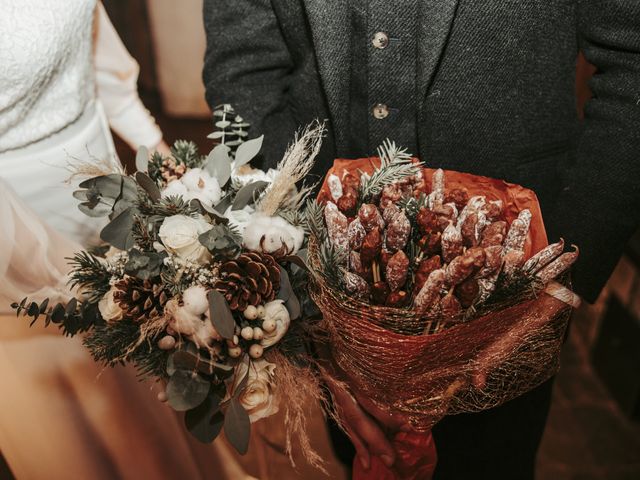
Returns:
<point x="48" y="72"/>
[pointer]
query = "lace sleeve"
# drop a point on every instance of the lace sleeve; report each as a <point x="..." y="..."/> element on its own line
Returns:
<point x="116" y="78"/>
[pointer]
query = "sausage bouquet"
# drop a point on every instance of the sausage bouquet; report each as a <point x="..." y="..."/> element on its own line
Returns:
<point x="439" y="292"/>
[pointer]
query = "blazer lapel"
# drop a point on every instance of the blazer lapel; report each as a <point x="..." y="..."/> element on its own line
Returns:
<point x="330" y="29"/>
<point x="434" y="24"/>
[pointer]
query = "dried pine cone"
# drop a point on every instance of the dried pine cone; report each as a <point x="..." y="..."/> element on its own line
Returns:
<point x="251" y="279"/>
<point x="140" y="299"/>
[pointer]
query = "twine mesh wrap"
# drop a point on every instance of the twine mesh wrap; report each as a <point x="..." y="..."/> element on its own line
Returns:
<point x="465" y="367"/>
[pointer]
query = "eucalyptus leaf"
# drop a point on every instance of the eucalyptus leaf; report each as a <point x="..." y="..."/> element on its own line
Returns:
<point x="237" y="426"/>
<point x="218" y="164"/>
<point x="144" y="265"/>
<point x="223" y="204"/>
<point x="82" y="195"/>
<point x="285" y="285"/>
<point x="95" y="211"/>
<point x="211" y="211"/>
<point x="189" y="360"/>
<point x="186" y="390"/>
<point x="298" y="260"/>
<point x="220" y="315"/>
<point x="247" y="194"/>
<point x="118" y="232"/>
<point x="148" y="186"/>
<point x="142" y="159"/>
<point x="206" y="420"/>
<point x="293" y="306"/>
<point x="215" y="135"/>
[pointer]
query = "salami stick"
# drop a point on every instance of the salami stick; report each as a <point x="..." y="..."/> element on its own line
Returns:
<point x="337" y="226"/>
<point x="429" y="294"/>
<point x="559" y="265"/>
<point x="544" y="257"/>
<point x="518" y="232"/>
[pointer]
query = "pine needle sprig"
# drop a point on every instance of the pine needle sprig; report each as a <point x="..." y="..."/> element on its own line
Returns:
<point x="395" y="164"/>
<point x="186" y="153"/>
<point x="314" y="213"/>
<point x="167" y="207"/>
<point x="89" y="275"/>
<point x="332" y="261"/>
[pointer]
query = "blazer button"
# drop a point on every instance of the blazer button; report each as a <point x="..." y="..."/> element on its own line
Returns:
<point x="380" y="40"/>
<point x="380" y="111"/>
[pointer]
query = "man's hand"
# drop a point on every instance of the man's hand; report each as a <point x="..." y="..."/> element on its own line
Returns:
<point x="365" y="433"/>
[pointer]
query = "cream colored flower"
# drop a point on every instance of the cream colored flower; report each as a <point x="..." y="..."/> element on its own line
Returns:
<point x="179" y="234"/>
<point x="109" y="308"/>
<point x="278" y="313"/>
<point x="258" y="397"/>
<point x="239" y="218"/>
<point x="195" y="184"/>
<point x="268" y="234"/>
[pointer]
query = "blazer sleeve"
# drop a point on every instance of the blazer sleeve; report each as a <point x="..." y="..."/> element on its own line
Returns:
<point x="248" y="65"/>
<point x="116" y="74"/>
<point x="599" y="208"/>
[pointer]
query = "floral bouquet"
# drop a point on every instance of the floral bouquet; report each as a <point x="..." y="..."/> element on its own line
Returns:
<point x="199" y="284"/>
<point x="437" y="291"/>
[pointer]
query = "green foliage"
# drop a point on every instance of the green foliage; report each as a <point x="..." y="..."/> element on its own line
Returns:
<point x="231" y="129"/>
<point x="186" y="153"/>
<point x="155" y="167"/>
<point x="223" y="241"/>
<point x="109" y="344"/>
<point x="395" y="164"/>
<point x="90" y="275"/>
<point x="167" y="207"/>
<point x="314" y="215"/>
<point x="332" y="260"/>
<point x="72" y="318"/>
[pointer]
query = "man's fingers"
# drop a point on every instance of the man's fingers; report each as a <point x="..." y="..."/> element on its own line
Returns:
<point x="362" y="453"/>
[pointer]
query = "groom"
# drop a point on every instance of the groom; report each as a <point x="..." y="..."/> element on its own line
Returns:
<point x="481" y="87"/>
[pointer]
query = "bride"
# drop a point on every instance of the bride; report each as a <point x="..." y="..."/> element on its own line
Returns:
<point x="65" y="79"/>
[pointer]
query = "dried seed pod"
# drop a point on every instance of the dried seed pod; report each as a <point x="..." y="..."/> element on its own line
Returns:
<point x="398" y="232"/>
<point x="451" y="243"/>
<point x="492" y="261"/>
<point x="379" y="293"/>
<point x="427" y="221"/>
<point x="425" y="268"/>
<point x="474" y="205"/>
<point x="518" y="232"/>
<point x="436" y="197"/>
<point x="350" y="181"/>
<point x="544" y="257"/>
<point x="469" y="230"/>
<point x="348" y="204"/>
<point x="494" y="234"/>
<point x="493" y="210"/>
<point x="513" y="261"/>
<point x="559" y="266"/>
<point x="337" y="226"/>
<point x="429" y="294"/>
<point x="391" y="194"/>
<point x="389" y="212"/>
<point x="450" y="306"/>
<point x="355" y="262"/>
<point x="370" y="217"/>
<point x="371" y="246"/>
<point x="335" y="186"/>
<point x="458" y="196"/>
<point x="398" y="299"/>
<point x="467" y="292"/>
<point x="356" y="285"/>
<point x="385" y="256"/>
<point x="396" y="270"/>
<point x="459" y="269"/>
<point x="356" y="234"/>
<point x="431" y="243"/>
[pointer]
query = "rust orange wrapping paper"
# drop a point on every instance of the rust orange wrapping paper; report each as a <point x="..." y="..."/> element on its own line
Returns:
<point x="424" y="377"/>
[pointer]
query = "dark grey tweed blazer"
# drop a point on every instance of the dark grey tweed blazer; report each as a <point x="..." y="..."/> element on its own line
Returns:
<point x="497" y="80"/>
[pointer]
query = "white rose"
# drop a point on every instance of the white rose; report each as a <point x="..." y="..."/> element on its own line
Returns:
<point x="109" y="309"/>
<point x="179" y="234"/>
<point x="239" y="218"/>
<point x="268" y="234"/>
<point x="277" y="312"/>
<point x="202" y="186"/>
<point x="258" y="398"/>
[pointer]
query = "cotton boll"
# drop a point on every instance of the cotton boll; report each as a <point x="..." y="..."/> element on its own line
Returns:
<point x="195" y="300"/>
<point x="202" y="186"/>
<point x="175" y="188"/>
<point x="185" y="322"/>
<point x="271" y="233"/>
<point x="205" y="334"/>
